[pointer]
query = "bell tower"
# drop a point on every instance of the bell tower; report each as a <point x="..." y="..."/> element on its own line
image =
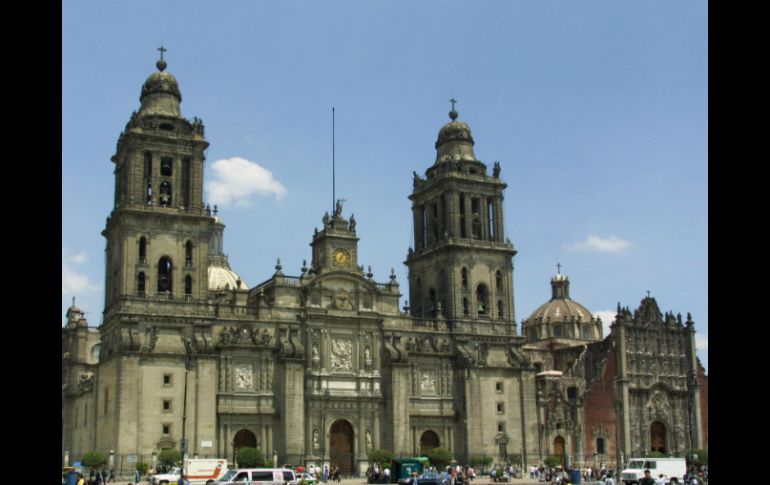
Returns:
<point x="461" y="265"/>
<point x="158" y="231"/>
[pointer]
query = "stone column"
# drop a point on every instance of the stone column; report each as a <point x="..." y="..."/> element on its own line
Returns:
<point x="399" y="412"/>
<point x="453" y="216"/>
<point x="484" y="219"/>
<point x="499" y="229"/>
<point x="376" y="442"/>
<point x="623" y="383"/>
<point x="694" y="388"/>
<point x="293" y="415"/>
<point x="468" y="217"/>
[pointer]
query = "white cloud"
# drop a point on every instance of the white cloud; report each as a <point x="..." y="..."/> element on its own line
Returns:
<point x="702" y="342"/>
<point x="613" y="244"/>
<point x="607" y="316"/>
<point x="236" y="180"/>
<point x="80" y="258"/>
<point x="74" y="282"/>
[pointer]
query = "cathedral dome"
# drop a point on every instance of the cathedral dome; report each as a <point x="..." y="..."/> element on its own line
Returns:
<point x="561" y="311"/>
<point x="221" y="277"/>
<point x="160" y="93"/>
<point x="561" y="316"/>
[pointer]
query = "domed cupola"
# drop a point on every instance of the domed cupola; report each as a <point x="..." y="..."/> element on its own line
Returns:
<point x="561" y="317"/>
<point x="160" y="92"/>
<point x="455" y="143"/>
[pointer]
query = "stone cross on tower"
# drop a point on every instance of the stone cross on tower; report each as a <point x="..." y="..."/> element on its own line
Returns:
<point x="558" y="268"/>
<point x="453" y="113"/>
<point x="162" y="50"/>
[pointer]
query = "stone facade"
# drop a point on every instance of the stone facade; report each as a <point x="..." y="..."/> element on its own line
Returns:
<point x="322" y="367"/>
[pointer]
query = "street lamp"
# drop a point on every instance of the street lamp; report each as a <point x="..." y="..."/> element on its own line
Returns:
<point x="187" y="367"/>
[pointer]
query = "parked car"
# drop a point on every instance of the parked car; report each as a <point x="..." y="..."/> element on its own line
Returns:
<point x="308" y="477"/>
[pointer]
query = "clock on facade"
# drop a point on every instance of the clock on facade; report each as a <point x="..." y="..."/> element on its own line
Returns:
<point x="341" y="257"/>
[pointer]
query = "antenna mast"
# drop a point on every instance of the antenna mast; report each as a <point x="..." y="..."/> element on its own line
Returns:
<point x="334" y="200"/>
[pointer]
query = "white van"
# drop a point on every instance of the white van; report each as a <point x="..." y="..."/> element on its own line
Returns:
<point x="204" y="471"/>
<point x="673" y="469"/>
<point x="258" y="476"/>
<point x="199" y="471"/>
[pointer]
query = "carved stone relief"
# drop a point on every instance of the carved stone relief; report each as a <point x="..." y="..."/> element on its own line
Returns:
<point x="244" y="377"/>
<point x="342" y="300"/>
<point x="342" y="354"/>
<point x="428" y="381"/>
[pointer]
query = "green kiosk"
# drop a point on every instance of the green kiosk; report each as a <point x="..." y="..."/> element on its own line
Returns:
<point x="404" y="467"/>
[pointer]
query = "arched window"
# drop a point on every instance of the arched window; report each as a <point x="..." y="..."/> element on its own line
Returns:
<point x="491" y="218"/>
<point x="658" y="437"/>
<point x="140" y="285"/>
<point x="417" y="300"/>
<point x="165" y="282"/>
<point x="186" y="182"/>
<point x="499" y="281"/>
<point x="482" y="299"/>
<point x="143" y="250"/>
<point x="148" y="177"/>
<point x="600" y="446"/>
<point x="500" y="310"/>
<point x="188" y="286"/>
<point x="476" y="229"/>
<point x="466" y="310"/>
<point x="464" y="276"/>
<point x="432" y="296"/>
<point x="188" y="253"/>
<point x="165" y="166"/>
<point x="165" y="194"/>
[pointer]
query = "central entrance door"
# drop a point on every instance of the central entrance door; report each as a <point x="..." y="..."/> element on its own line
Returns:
<point x="428" y="441"/>
<point x="341" y="447"/>
<point x="243" y="438"/>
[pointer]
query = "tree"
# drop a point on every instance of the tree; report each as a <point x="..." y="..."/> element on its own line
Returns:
<point x="142" y="468"/>
<point x="703" y="458"/>
<point x="380" y="457"/>
<point x="480" y="461"/>
<point x="656" y="454"/>
<point x="439" y="457"/>
<point x="552" y="461"/>
<point x="250" y="457"/>
<point x="170" y="457"/>
<point x="94" y="460"/>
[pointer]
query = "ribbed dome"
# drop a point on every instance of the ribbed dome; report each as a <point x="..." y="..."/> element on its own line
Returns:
<point x="160" y="93"/>
<point x="559" y="310"/>
<point x="561" y="317"/>
<point x="221" y="277"/>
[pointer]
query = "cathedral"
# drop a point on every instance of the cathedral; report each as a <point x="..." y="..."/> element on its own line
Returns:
<point x="322" y="367"/>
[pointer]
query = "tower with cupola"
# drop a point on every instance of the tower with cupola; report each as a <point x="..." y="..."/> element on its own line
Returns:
<point x="461" y="265"/>
<point x="158" y="231"/>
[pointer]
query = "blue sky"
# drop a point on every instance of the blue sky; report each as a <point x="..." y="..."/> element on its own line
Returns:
<point x="596" y="110"/>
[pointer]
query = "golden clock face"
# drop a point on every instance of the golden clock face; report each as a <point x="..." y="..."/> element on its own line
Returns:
<point x="341" y="257"/>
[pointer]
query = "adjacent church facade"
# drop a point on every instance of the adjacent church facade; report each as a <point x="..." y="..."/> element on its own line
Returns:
<point x="321" y="367"/>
